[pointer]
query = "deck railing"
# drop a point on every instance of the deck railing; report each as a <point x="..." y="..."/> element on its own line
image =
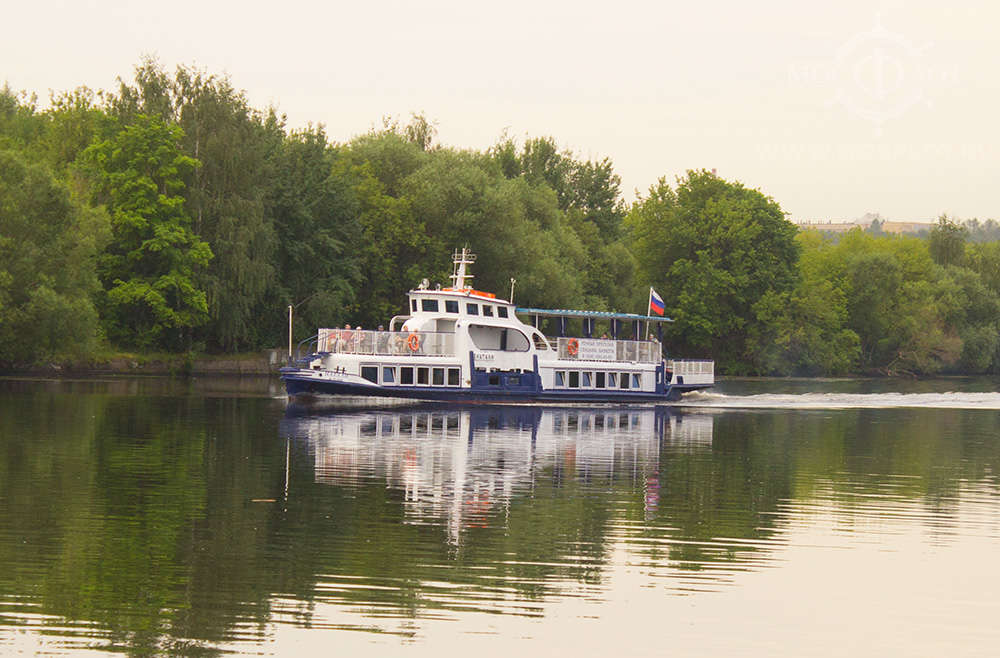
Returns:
<point x="409" y="343"/>
<point x="604" y="349"/>
<point x="430" y="343"/>
<point x="692" y="371"/>
<point x="691" y="367"/>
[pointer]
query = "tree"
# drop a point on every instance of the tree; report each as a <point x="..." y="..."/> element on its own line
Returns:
<point x="21" y="124"/>
<point x="48" y="246"/>
<point x="804" y="331"/>
<point x="713" y="249"/>
<point x="226" y="196"/>
<point x="74" y="122"/>
<point x="315" y="208"/>
<point x="514" y="227"/>
<point x="151" y="299"/>
<point x="947" y="242"/>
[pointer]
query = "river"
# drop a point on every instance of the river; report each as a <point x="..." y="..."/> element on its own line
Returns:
<point x="763" y="518"/>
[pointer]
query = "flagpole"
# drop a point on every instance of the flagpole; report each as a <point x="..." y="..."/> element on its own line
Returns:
<point x="649" y="304"/>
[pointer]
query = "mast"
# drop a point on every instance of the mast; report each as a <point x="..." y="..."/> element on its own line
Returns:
<point x="459" y="275"/>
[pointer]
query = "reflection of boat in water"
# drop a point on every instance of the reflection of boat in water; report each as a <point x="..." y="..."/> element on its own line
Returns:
<point x="459" y="465"/>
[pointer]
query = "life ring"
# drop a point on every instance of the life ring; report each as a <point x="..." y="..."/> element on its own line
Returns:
<point x="413" y="342"/>
<point x="573" y="347"/>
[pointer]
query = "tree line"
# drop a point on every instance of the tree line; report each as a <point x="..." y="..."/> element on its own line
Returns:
<point x="169" y="214"/>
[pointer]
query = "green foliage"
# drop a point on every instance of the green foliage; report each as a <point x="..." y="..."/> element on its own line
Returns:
<point x="220" y="219"/>
<point x="21" y="124"/>
<point x="587" y="189"/>
<point x="314" y="205"/>
<point x="911" y="315"/>
<point x="460" y="194"/>
<point x="803" y="332"/>
<point x="148" y="270"/>
<point x="226" y="197"/>
<point x="48" y="246"/>
<point x="947" y="242"/>
<point x="74" y="122"/>
<point x="713" y="249"/>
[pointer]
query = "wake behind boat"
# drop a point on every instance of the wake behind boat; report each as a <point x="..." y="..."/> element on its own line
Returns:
<point x="462" y="344"/>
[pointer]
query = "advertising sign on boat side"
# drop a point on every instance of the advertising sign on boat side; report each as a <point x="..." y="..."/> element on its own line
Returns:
<point x="597" y="350"/>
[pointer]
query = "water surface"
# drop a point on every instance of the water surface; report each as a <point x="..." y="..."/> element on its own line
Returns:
<point x="763" y="518"/>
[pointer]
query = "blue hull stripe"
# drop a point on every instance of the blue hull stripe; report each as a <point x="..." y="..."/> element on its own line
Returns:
<point x="297" y="386"/>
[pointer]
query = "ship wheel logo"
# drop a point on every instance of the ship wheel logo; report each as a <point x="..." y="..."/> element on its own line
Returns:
<point x="880" y="75"/>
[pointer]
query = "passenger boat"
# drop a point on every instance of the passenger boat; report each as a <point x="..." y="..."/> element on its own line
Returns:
<point x="461" y="344"/>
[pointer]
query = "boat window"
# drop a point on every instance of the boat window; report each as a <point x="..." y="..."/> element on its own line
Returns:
<point x="623" y="380"/>
<point x="472" y="309"/>
<point x="388" y="375"/>
<point x="406" y="375"/>
<point x="612" y="380"/>
<point x="516" y="341"/>
<point x="494" y="380"/>
<point x="574" y="379"/>
<point x="413" y="304"/>
<point x="451" y="306"/>
<point x="422" y="376"/>
<point x="600" y="380"/>
<point x="487" y="310"/>
<point x="560" y="378"/>
<point x="587" y="380"/>
<point x="453" y="375"/>
<point x="498" y="338"/>
<point x="438" y="375"/>
<point x="540" y="343"/>
<point x="370" y="373"/>
<point x="429" y="305"/>
<point x="636" y="381"/>
<point x="502" y="311"/>
<point x="514" y="380"/>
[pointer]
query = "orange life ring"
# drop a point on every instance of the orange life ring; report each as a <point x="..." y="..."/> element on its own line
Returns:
<point x="573" y="347"/>
<point x="413" y="342"/>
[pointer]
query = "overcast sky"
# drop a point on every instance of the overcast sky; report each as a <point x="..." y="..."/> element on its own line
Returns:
<point x="834" y="110"/>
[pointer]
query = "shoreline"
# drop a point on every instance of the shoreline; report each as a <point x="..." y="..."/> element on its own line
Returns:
<point x="256" y="364"/>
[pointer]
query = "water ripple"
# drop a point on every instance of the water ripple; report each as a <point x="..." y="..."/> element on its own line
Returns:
<point x="843" y="401"/>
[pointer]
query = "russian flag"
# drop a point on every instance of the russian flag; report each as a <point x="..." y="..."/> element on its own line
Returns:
<point x="655" y="303"/>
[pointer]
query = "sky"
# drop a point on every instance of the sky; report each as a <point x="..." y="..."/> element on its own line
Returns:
<point x="834" y="109"/>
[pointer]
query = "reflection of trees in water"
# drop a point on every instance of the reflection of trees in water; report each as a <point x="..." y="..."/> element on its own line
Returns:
<point x="135" y="512"/>
<point x="117" y="523"/>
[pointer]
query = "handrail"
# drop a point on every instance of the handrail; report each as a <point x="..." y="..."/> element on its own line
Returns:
<point x="692" y="366"/>
<point x="298" y="349"/>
